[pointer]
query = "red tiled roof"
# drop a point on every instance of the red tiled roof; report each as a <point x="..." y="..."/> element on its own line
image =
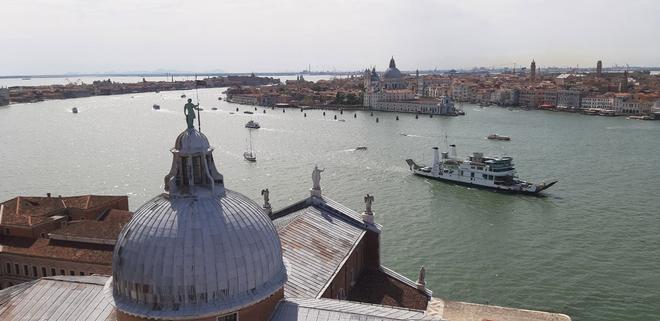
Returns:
<point x="107" y="228"/>
<point x="59" y="250"/>
<point x="17" y="210"/>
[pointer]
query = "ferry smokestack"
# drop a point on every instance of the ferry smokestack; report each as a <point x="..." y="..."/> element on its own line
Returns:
<point x="436" y="161"/>
<point x="452" y="151"/>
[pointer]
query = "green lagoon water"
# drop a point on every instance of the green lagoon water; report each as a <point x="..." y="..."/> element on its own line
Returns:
<point x="590" y="248"/>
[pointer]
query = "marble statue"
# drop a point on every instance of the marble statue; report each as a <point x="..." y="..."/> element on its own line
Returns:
<point x="368" y="200"/>
<point x="422" y="276"/>
<point x="265" y="193"/>
<point x="189" y="111"/>
<point x="316" y="178"/>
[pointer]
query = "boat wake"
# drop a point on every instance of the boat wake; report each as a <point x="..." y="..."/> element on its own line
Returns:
<point x="278" y="130"/>
<point x="414" y="136"/>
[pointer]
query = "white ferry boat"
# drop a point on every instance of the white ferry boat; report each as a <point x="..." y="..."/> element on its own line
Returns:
<point x="495" y="173"/>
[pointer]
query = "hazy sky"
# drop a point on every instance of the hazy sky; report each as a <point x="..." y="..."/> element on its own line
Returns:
<point x="46" y="37"/>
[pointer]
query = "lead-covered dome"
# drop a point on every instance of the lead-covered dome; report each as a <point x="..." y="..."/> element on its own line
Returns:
<point x="199" y="250"/>
<point x="191" y="141"/>
<point x="392" y="72"/>
<point x="183" y="257"/>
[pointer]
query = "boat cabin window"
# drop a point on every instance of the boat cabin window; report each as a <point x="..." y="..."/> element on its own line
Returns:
<point x="472" y="174"/>
<point x="484" y="176"/>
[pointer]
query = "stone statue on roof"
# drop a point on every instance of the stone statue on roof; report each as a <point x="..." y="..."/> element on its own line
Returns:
<point x="265" y="193"/>
<point x="422" y="276"/>
<point x="189" y="111"/>
<point x="316" y="178"/>
<point x="368" y="200"/>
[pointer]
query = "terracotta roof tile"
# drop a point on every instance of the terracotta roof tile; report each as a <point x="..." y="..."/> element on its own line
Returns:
<point x="108" y="227"/>
<point x="59" y="250"/>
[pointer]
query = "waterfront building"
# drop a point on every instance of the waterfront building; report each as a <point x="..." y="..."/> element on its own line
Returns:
<point x="598" y="102"/>
<point x="4" y="96"/>
<point x="568" y="98"/>
<point x="48" y="236"/>
<point x="535" y="97"/>
<point x="390" y="92"/>
<point x="628" y="105"/>
<point x="504" y="97"/>
<point x="244" y="99"/>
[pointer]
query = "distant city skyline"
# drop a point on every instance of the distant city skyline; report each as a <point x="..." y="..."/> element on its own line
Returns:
<point x="75" y="36"/>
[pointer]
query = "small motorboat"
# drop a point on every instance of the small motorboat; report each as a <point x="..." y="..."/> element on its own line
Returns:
<point x="183" y="96"/>
<point x="156" y="107"/>
<point x="252" y="124"/>
<point x="249" y="156"/>
<point x="498" y="137"/>
<point x="219" y="98"/>
<point x="214" y="108"/>
<point x="248" y="112"/>
<point x="361" y="148"/>
<point x="74" y="110"/>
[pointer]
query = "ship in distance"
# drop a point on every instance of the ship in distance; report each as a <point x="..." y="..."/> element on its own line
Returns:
<point x="497" y="173"/>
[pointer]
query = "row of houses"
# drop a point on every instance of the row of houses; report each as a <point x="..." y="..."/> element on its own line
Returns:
<point x="538" y="97"/>
<point x="4" y="96"/>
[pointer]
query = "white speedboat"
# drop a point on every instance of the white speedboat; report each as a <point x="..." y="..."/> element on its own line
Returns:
<point x="495" y="173"/>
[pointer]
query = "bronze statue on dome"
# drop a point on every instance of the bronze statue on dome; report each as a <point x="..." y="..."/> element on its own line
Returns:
<point x="189" y="111"/>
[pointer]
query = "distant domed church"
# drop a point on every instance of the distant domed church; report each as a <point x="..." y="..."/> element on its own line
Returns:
<point x="200" y="251"/>
<point x="392" y="91"/>
<point x="392" y="77"/>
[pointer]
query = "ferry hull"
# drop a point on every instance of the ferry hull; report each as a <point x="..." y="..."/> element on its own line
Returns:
<point x="538" y="188"/>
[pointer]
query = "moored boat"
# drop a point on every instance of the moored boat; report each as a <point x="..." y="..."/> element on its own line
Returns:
<point x="155" y="107"/>
<point x="74" y="110"/>
<point x="498" y="137"/>
<point x="497" y="173"/>
<point x="252" y="124"/>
